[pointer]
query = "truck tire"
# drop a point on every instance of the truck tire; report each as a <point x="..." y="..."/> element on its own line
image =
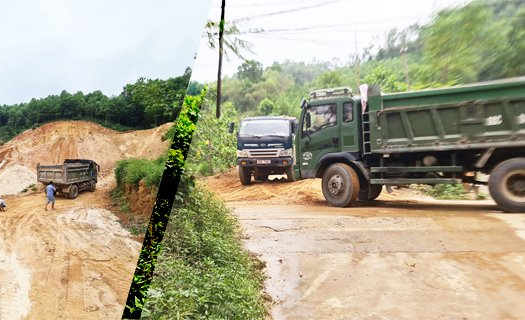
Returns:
<point x="340" y="185"/>
<point x="73" y="191"/>
<point x="371" y="193"/>
<point x="92" y="185"/>
<point x="290" y="176"/>
<point x="245" y="175"/>
<point x="507" y="185"/>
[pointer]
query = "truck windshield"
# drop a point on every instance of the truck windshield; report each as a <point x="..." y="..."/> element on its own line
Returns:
<point x="264" y="128"/>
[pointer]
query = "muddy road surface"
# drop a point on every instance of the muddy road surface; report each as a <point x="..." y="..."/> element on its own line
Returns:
<point x="404" y="256"/>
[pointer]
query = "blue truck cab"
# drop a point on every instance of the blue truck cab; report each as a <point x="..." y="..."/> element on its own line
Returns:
<point x="265" y="146"/>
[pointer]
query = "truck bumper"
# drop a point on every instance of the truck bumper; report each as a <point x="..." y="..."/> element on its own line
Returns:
<point x="262" y="162"/>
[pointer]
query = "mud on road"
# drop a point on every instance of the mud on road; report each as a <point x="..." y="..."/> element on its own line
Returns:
<point x="404" y="256"/>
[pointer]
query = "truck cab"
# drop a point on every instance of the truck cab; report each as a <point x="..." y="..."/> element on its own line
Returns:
<point x="265" y="147"/>
<point x="328" y="129"/>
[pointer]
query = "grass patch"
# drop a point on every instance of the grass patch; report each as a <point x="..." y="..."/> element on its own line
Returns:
<point x="447" y="192"/>
<point x="203" y="272"/>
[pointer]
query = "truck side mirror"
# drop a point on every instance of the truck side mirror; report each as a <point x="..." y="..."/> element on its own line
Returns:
<point x="294" y="127"/>
<point x="231" y="127"/>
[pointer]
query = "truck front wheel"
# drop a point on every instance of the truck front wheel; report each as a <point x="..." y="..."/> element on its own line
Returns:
<point x="73" y="191"/>
<point x="340" y="185"/>
<point x="507" y="185"/>
<point x="245" y="175"/>
<point x="290" y="174"/>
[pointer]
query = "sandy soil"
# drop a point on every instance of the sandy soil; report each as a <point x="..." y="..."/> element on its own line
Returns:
<point x="75" y="262"/>
<point x="404" y="256"/>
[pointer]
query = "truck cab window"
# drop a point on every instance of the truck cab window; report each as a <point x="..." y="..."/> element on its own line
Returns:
<point x="321" y="116"/>
<point x="348" y="115"/>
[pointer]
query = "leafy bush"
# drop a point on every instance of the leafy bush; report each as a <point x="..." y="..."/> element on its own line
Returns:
<point x="213" y="148"/>
<point x="203" y="272"/>
<point x="448" y="192"/>
<point x="131" y="171"/>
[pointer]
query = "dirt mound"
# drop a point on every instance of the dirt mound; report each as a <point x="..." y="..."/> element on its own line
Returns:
<point x="277" y="191"/>
<point x="54" y="142"/>
<point x="16" y="178"/>
<point x="75" y="262"/>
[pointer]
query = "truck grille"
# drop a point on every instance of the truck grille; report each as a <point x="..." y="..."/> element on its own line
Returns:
<point x="262" y="153"/>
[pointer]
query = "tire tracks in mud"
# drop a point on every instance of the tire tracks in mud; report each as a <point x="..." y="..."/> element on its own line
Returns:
<point x="78" y="260"/>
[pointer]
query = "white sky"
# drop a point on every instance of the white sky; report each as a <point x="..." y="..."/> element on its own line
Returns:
<point x="54" y="45"/>
<point x="345" y="24"/>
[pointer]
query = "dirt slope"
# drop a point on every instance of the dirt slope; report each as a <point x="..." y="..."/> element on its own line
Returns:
<point x="75" y="262"/>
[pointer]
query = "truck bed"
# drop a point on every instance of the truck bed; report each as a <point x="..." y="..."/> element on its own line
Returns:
<point x="66" y="173"/>
<point x="483" y="115"/>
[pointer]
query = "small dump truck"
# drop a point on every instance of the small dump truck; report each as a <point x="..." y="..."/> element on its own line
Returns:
<point x="71" y="177"/>
<point x="265" y="147"/>
<point x="357" y="144"/>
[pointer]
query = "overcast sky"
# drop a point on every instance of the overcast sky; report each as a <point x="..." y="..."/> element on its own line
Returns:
<point x="308" y="29"/>
<point x="54" y="45"/>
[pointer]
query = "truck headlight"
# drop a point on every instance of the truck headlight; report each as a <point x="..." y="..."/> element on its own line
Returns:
<point x="286" y="153"/>
<point x="242" y="154"/>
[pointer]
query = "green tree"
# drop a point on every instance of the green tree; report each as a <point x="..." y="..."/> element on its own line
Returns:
<point x="250" y="70"/>
<point x="266" y="107"/>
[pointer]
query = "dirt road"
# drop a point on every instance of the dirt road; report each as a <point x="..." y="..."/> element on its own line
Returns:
<point x="75" y="262"/>
<point x="402" y="257"/>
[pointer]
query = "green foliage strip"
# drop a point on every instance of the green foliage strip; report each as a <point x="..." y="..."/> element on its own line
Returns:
<point x="184" y="129"/>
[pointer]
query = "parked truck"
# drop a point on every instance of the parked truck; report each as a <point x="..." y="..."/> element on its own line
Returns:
<point x="71" y="177"/>
<point x="265" y="147"/>
<point x="357" y="144"/>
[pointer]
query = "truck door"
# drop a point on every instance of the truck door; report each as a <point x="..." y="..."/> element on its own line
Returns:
<point x="319" y="136"/>
<point x="349" y="124"/>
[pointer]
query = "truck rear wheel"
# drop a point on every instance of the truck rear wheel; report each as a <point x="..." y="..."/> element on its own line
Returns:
<point x="245" y="175"/>
<point x="507" y="185"/>
<point x="371" y="193"/>
<point x="73" y="191"/>
<point x="340" y="185"/>
<point x="92" y="185"/>
<point x="290" y="174"/>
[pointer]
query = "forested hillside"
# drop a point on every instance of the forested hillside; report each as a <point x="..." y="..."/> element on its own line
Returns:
<point x="144" y="104"/>
<point x="484" y="40"/>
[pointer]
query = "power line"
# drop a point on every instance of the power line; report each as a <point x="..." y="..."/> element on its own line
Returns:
<point x="288" y="10"/>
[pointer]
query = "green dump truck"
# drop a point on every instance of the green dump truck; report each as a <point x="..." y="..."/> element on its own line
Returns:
<point x="72" y="176"/>
<point x="357" y="144"/>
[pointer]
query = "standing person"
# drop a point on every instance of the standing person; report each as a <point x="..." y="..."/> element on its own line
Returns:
<point x="50" y="195"/>
<point x="2" y="205"/>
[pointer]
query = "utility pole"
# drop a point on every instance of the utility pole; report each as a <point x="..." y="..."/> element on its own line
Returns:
<point x="221" y="42"/>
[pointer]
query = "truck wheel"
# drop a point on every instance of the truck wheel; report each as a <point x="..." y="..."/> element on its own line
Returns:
<point x="507" y="185"/>
<point x="290" y="174"/>
<point x="92" y="185"/>
<point x="73" y="191"/>
<point x="245" y="175"/>
<point x="340" y="185"/>
<point x="373" y="191"/>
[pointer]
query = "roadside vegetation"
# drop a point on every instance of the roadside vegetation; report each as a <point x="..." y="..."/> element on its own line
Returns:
<point x="203" y="272"/>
